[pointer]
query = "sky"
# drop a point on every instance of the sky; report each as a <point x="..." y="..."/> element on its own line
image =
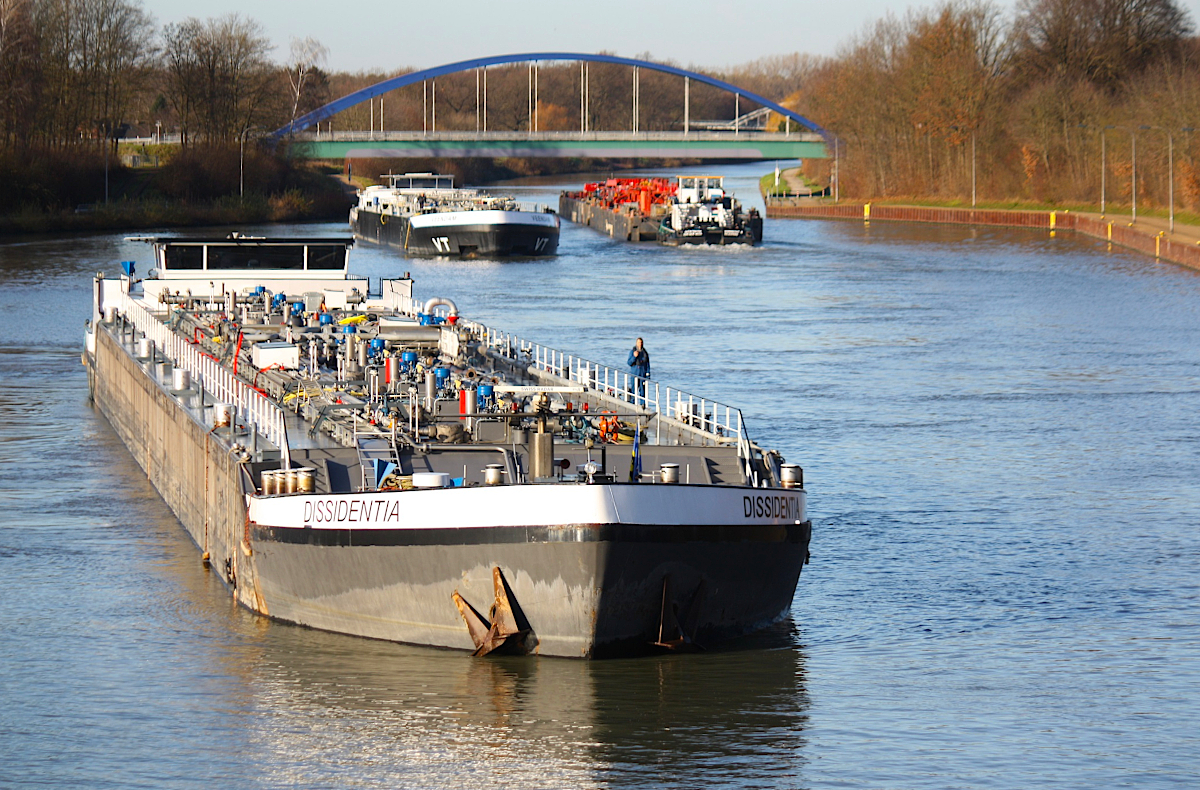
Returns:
<point x="388" y="35"/>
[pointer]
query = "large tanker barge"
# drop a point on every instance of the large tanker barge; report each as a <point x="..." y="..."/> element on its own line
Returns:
<point x="351" y="459"/>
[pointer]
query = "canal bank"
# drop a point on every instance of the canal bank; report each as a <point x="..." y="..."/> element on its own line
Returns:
<point x="1150" y="235"/>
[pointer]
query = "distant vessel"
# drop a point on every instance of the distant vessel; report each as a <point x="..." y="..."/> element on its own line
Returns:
<point x="702" y="212"/>
<point x="423" y="214"/>
<point x="687" y="210"/>
<point x="624" y="208"/>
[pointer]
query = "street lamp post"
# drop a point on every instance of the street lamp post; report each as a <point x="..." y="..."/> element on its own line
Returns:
<point x="1133" y="170"/>
<point x="1171" y="172"/>
<point x="107" y="132"/>
<point x="242" y="163"/>
<point x="1171" y="179"/>
<point x="242" y="160"/>
<point x="1171" y="176"/>
<point x="111" y="135"/>
<point x="1103" y="168"/>
<point x="972" y="168"/>
<point x="837" y="162"/>
<point x="1103" y="165"/>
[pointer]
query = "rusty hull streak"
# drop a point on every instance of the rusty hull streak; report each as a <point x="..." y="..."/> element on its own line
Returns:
<point x="675" y="633"/>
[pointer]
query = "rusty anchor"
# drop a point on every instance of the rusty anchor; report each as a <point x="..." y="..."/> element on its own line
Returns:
<point x="505" y="631"/>
<point x="677" y="633"/>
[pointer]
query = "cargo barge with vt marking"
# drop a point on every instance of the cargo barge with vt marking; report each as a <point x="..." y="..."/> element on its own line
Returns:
<point x="423" y="214"/>
<point x="351" y="459"/>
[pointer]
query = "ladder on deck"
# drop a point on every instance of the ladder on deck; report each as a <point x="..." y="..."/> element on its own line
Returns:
<point x="370" y="450"/>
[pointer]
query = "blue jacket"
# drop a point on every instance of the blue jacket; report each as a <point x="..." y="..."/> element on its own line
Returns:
<point x="639" y="364"/>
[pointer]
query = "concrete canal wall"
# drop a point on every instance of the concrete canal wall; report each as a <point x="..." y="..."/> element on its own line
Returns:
<point x="1148" y="240"/>
<point x="190" y="466"/>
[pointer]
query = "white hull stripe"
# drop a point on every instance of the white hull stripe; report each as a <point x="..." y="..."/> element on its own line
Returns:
<point x="526" y="505"/>
<point x="454" y="218"/>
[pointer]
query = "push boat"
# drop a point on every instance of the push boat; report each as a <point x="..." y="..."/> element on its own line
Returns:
<point x="349" y="458"/>
<point x="702" y="212"/>
<point x="423" y="214"/>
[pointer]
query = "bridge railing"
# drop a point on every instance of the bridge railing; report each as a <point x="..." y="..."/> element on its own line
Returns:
<point x="259" y="411"/>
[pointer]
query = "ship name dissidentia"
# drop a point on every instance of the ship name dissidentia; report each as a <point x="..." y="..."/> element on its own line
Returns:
<point x="353" y="510"/>
<point x="766" y="506"/>
<point x="319" y="511"/>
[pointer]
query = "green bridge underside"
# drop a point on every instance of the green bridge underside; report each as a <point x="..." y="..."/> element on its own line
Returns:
<point x="594" y="145"/>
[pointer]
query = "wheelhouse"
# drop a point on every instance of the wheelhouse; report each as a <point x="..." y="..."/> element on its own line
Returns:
<point x="246" y="257"/>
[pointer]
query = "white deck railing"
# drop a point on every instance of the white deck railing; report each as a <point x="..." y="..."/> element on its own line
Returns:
<point x="256" y="410"/>
<point x="718" y="420"/>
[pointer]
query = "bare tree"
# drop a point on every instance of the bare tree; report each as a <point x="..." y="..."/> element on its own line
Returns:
<point x="92" y="54"/>
<point x="1101" y="41"/>
<point x="308" y="55"/>
<point x="19" y="70"/>
<point x="219" y="78"/>
<point x="181" y="64"/>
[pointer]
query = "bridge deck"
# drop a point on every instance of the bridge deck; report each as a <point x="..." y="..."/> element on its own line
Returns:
<point x="603" y="145"/>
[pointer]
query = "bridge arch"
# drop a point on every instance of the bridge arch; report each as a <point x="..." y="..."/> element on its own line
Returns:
<point x="404" y="80"/>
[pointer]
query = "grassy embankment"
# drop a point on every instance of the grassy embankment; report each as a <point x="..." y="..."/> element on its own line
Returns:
<point x="1182" y="217"/>
<point x="56" y="192"/>
<point x="768" y="187"/>
<point x="145" y="214"/>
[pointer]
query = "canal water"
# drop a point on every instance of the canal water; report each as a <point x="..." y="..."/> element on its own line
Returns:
<point x="1000" y="437"/>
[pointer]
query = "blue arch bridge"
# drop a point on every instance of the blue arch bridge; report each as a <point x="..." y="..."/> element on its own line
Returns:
<point x="745" y="137"/>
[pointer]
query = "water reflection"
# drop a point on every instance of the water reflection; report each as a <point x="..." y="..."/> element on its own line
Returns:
<point x="320" y="700"/>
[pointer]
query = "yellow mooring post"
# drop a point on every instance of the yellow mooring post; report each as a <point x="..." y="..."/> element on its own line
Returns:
<point x="867" y="212"/>
<point x="1110" y="231"/>
<point x="1157" y="243"/>
<point x="1053" y="222"/>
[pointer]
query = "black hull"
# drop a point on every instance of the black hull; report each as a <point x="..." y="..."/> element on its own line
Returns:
<point x="483" y="240"/>
<point x="587" y="592"/>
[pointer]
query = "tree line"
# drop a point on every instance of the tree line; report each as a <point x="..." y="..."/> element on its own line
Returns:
<point x="80" y="71"/>
<point x="1041" y="104"/>
<point x="922" y="105"/>
<point x="77" y="76"/>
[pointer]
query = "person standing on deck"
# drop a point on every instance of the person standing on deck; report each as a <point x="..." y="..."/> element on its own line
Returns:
<point x="639" y="366"/>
